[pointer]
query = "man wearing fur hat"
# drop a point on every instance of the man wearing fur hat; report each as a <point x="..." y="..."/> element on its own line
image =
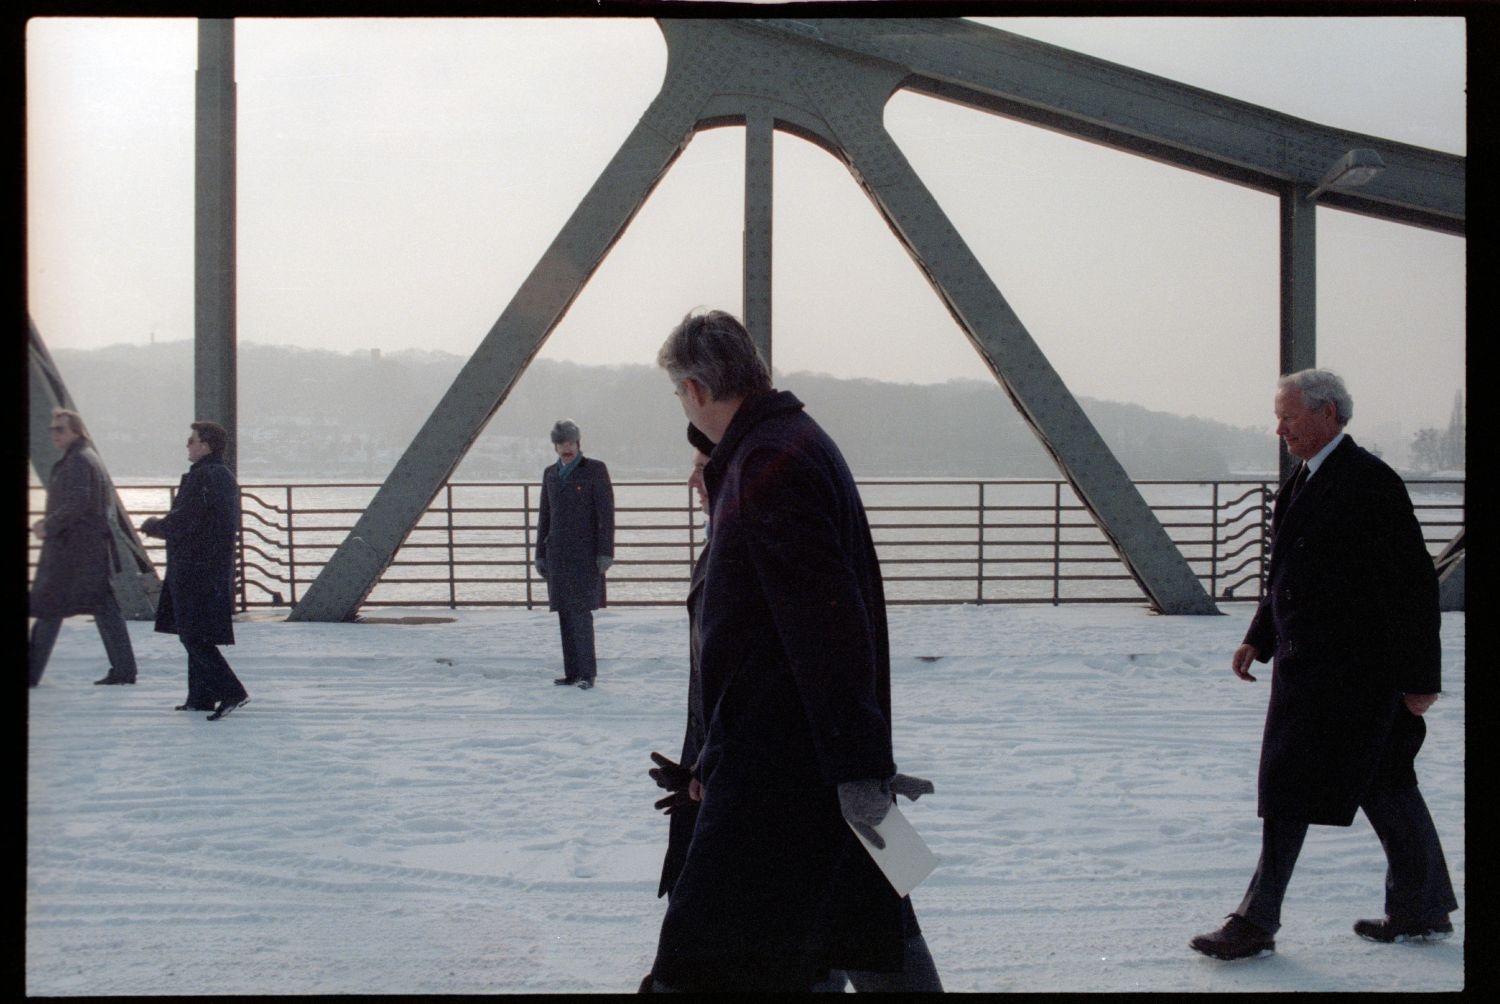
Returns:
<point x="575" y="544"/>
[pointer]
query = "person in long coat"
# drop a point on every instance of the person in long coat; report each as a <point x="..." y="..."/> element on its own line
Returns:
<point x="197" y="598"/>
<point x="78" y="555"/>
<point x="1350" y="619"/>
<point x="681" y="805"/>
<point x="575" y="545"/>
<point x="794" y="659"/>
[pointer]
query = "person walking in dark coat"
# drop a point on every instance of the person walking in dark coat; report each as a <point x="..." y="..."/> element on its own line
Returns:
<point x="681" y="804"/>
<point x="197" y="598"/>
<point x="775" y="890"/>
<point x="575" y="545"/>
<point x="78" y="555"/>
<point x="1350" y="619"/>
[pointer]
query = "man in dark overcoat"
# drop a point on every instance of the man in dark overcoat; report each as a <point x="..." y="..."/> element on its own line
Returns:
<point x="1350" y="619"/>
<point x="197" y="598"/>
<point x="795" y="671"/>
<point x="78" y="554"/>
<point x="575" y="545"/>
<point x="681" y="805"/>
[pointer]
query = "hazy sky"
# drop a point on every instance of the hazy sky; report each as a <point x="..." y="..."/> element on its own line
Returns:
<point x="398" y="179"/>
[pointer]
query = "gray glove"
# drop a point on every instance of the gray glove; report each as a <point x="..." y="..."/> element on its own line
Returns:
<point x="909" y="787"/>
<point x="865" y="803"/>
<point x="604" y="561"/>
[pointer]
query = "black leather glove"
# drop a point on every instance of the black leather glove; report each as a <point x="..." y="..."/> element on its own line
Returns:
<point x="668" y="774"/>
<point x="675" y="778"/>
<point x="673" y="802"/>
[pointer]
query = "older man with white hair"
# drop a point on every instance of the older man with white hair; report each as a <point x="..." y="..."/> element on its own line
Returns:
<point x="1350" y="619"/>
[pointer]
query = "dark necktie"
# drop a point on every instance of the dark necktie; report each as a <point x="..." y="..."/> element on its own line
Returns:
<point x="1298" y="480"/>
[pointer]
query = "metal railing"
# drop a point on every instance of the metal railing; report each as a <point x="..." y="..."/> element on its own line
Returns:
<point x="939" y="541"/>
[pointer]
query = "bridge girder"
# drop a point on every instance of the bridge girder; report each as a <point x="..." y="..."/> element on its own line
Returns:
<point x="828" y="81"/>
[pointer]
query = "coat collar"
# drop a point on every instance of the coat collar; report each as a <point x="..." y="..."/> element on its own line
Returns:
<point x="582" y="462"/>
<point x="76" y="447"/>
<point x="1286" y="514"/>
<point x="1315" y="462"/>
<point x="753" y="411"/>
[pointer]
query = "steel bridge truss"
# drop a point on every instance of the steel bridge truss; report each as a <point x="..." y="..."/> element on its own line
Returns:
<point x="828" y="81"/>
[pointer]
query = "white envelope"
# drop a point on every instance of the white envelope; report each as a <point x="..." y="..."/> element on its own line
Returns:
<point x="905" y="859"/>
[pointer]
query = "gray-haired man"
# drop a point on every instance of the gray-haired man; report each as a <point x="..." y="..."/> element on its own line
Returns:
<point x="775" y="892"/>
<point x="1350" y="620"/>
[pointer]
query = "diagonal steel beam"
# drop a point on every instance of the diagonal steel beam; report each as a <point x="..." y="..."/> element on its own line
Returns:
<point x="137" y="585"/>
<point x="1450" y="569"/>
<point x="851" y="98"/>
<point x="515" y="338"/>
<point x="828" y="80"/>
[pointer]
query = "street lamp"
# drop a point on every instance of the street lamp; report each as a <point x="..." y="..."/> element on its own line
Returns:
<point x="1353" y="169"/>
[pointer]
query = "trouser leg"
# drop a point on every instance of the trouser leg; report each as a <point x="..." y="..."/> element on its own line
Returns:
<point x="43" y="637"/>
<point x="116" y="638"/>
<point x="577" y="628"/>
<point x="197" y="695"/>
<point x="1281" y="842"/>
<point x="215" y="680"/>
<point x="570" y="657"/>
<point x="1417" y="886"/>
<point x="918" y="973"/>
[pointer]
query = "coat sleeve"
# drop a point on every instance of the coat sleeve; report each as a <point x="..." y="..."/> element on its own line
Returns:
<point x="818" y="610"/>
<point x="1405" y="583"/>
<point x="1262" y="631"/>
<point x="543" y="518"/>
<point x="604" y="512"/>
<point x="204" y="509"/>
<point x="69" y="495"/>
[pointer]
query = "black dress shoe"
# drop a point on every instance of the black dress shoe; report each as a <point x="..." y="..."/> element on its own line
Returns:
<point x="227" y="705"/>
<point x="565" y="681"/>
<point x="585" y="684"/>
<point x="112" y="679"/>
<point x="1387" y="930"/>
<point x="1237" y="939"/>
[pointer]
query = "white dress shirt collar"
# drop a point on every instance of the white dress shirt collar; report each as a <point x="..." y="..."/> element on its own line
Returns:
<point x="1316" y="460"/>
